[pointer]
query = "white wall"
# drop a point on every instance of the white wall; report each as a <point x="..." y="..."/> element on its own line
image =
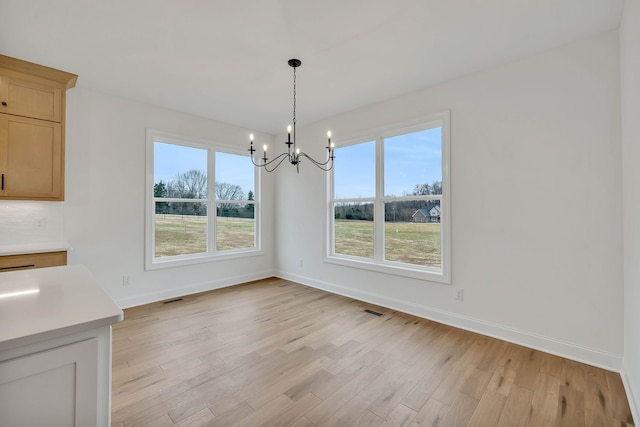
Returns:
<point x="537" y="144"/>
<point x="105" y="194"/>
<point x="630" y="85"/>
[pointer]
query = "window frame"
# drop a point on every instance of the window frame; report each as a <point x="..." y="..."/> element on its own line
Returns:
<point x="211" y="255"/>
<point x="378" y="263"/>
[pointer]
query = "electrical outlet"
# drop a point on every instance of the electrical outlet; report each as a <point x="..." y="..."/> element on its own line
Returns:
<point x="126" y="280"/>
<point x="459" y="294"/>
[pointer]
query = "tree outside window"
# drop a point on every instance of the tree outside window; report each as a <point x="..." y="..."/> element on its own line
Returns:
<point x="181" y="222"/>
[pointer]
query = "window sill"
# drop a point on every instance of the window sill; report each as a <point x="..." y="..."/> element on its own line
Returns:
<point x="184" y="260"/>
<point x="392" y="268"/>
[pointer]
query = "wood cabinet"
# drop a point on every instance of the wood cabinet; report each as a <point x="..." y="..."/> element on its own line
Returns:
<point x="32" y="128"/>
<point x="31" y="158"/>
<point x="30" y="99"/>
<point x="36" y="260"/>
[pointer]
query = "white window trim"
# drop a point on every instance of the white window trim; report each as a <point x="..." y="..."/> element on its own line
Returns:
<point x="441" y="275"/>
<point x="152" y="263"/>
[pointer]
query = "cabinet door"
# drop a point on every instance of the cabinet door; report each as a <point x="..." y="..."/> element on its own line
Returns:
<point x="28" y="261"/>
<point x="57" y="387"/>
<point x="30" y="158"/>
<point x="30" y="99"/>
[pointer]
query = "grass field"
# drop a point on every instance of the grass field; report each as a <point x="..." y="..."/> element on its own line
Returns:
<point x="187" y="234"/>
<point x="411" y="243"/>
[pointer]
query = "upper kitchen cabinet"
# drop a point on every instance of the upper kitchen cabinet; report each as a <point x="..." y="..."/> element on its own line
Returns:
<point x="32" y="129"/>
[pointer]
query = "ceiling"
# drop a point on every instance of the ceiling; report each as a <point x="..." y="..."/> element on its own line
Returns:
<point x="227" y="59"/>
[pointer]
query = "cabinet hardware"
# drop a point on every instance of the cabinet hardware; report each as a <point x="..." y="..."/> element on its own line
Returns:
<point x="2" y="185"/>
<point x="14" y="267"/>
<point x="4" y="103"/>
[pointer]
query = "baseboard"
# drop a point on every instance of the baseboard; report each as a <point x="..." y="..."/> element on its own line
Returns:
<point x="632" y="395"/>
<point x="590" y="356"/>
<point x="190" y="289"/>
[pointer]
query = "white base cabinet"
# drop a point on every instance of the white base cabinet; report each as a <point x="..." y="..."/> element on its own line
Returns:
<point x="62" y="382"/>
<point x="55" y="348"/>
<point x="57" y="387"/>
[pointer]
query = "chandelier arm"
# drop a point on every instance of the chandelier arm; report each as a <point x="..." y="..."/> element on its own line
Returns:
<point x="270" y="161"/>
<point x="282" y="157"/>
<point x="318" y="164"/>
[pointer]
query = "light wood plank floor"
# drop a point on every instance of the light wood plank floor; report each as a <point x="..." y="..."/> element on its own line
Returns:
<point x="276" y="353"/>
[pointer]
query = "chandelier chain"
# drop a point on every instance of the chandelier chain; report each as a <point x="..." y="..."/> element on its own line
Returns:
<point x="294" y="95"/>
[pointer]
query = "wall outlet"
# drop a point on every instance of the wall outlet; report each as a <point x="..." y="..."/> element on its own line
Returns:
<point x="126" y="280"/>
<point x="459" y="294"/>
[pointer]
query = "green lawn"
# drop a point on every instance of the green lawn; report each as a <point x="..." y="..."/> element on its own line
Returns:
<point x="411" y="243"/>
<point x="408" y="242"/>
<point x="187" y="234"/>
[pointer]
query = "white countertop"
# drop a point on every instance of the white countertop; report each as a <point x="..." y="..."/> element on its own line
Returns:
<point x="44" y="303"/>
<point x="30" y="248"/>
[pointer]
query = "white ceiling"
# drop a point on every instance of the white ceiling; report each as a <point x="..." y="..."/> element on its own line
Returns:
<point x="227" y="59"/>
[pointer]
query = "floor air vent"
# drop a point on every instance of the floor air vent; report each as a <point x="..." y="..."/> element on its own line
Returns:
<point x="172" y="300"/>
<point x="375" y="313"/>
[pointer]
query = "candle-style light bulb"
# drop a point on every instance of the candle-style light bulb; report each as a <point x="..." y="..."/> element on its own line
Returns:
<point x="297" y="151"/>
<point x="329" y="135"/>
<point x="264" y="147"/>
<point x="251" y="150"/>
<point x="332" y="145"/>
<point x="289" y="133"/>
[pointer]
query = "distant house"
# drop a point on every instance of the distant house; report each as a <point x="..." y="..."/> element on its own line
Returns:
<point x="428" y="213"/>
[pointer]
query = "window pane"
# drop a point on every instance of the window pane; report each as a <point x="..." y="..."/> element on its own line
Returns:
<point x="412" y="232"/>
<point x="235" y="177"/>
<point x="413" y="163"/>
<point x="355" y="171"/>
<point x="179" y="172"/>
<point x="180" y="228"/>
<point x="353" y="233"/>
<point x="235" y="226"/>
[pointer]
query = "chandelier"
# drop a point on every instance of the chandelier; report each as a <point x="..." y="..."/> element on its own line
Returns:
<point x="293" y="154"/>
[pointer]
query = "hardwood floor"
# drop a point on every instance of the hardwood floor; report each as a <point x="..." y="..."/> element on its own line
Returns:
<point x="276" y="353"/>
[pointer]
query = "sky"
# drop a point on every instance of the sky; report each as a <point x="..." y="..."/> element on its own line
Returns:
<point x="409" y="160"/>
<point x="171" y="160"/>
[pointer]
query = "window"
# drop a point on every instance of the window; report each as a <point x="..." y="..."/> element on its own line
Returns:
<point x="389" y="201"/>
<point x="187" y="184"/>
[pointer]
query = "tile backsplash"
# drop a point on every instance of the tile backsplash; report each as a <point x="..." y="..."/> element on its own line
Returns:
<point x="25" y="222"/>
